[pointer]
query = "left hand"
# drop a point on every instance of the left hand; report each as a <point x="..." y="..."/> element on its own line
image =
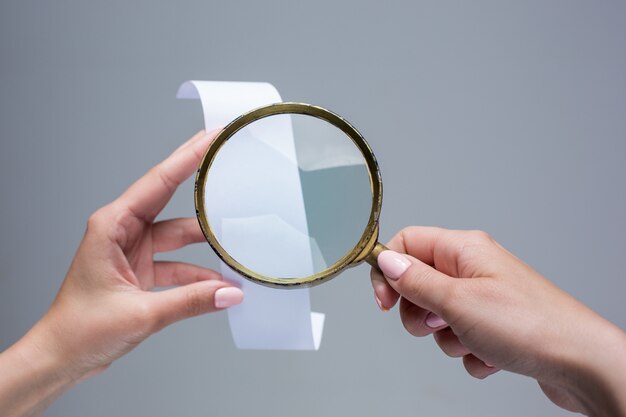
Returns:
<point x="105" y="307"/>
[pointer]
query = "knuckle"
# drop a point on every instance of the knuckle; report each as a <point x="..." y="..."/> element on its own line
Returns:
<point x="478" y="238"/>
<point x="176" y="273"/>
<point x="97" y="220"/>
<point x="472" y="245"/>
<point x="409" y="233"/>
<point x="144" y="318"/>
<point x="193" y="302"/>
<point x="184" y="234"/>
<point x="163" y="174"/>
<point x="403" y="234"/>
<point x="416" y="281"/>
<point x="449" y="304"/>
<point x="106" y="222"/>
<point x="405" y="231"/>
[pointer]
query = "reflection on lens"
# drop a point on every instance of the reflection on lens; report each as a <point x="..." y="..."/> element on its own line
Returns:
<point x="288" y="196"/>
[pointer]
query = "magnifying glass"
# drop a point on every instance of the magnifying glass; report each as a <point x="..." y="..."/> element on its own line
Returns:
<point x="289" y="195"/>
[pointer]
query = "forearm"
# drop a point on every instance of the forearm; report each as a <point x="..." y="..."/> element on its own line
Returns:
<point x="32" y="376"/>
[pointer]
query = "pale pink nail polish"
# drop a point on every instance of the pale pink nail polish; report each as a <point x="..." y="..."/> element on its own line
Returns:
<point x="226" y="297"/>
<point x="380" y="304"/>
<point x="393" y="264"/>
<point x="434" y="321"/>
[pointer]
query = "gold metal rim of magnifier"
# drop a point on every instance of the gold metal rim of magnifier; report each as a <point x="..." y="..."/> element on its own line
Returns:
<point x="367" y="248"/>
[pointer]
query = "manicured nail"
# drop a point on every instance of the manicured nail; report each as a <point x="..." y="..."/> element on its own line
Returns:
<point x="380" y="305"/>
<point x="434" y="321"/>
<point x="393" y="264"/>
<point x="229" y="296"/>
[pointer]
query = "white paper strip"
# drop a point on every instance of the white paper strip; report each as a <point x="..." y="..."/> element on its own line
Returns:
<point x="268" y="318"/>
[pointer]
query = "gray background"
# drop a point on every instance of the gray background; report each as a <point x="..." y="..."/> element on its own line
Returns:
<point x="509" y="117"/>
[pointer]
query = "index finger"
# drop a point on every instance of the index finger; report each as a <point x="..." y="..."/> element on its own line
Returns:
<point x="147" y="196"/>
<point x="434" y="246"/>
<point x="416" y="241"/>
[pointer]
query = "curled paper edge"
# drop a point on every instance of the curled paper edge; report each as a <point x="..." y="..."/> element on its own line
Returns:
<point x="268" y="319"/>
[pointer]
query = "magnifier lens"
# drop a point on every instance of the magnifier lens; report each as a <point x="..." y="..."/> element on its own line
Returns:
<point x="288" y="196"/>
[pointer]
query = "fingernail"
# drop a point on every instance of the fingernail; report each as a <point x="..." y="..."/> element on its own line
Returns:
<point x="229" y="296"/>
<point x="380" y="305"/>
<point x="488" y="365"/>
<point x="393" y="264"/>
<point x="434" y="321"/>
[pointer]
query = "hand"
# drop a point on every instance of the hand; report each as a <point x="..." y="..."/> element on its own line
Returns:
<point x="483" y="304"/>
<point x="105" y="307"/>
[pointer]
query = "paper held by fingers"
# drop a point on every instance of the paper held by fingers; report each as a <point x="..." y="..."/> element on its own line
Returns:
<point x="268" y="318"/>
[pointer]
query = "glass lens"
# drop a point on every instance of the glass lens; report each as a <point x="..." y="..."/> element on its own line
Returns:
<point x="288" y="196"/>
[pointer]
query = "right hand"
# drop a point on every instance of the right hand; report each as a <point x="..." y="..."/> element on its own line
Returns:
<point x="485" y="305"/>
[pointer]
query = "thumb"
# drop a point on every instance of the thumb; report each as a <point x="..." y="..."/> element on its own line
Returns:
<point x="195" y="299"/>
<point x="419" y="283"/>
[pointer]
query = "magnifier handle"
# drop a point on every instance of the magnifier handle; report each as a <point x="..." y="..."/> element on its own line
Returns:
<point x="372" y="258"/>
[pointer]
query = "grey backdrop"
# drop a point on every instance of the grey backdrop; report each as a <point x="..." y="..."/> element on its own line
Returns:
<point x="509" y="117"/>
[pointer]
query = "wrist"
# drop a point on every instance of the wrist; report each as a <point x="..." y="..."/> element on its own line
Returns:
<point x="33" y="376"/>
<point x="40" y="351"/>
<point x="607" y="371"/>
<point x="595" y="369"/>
